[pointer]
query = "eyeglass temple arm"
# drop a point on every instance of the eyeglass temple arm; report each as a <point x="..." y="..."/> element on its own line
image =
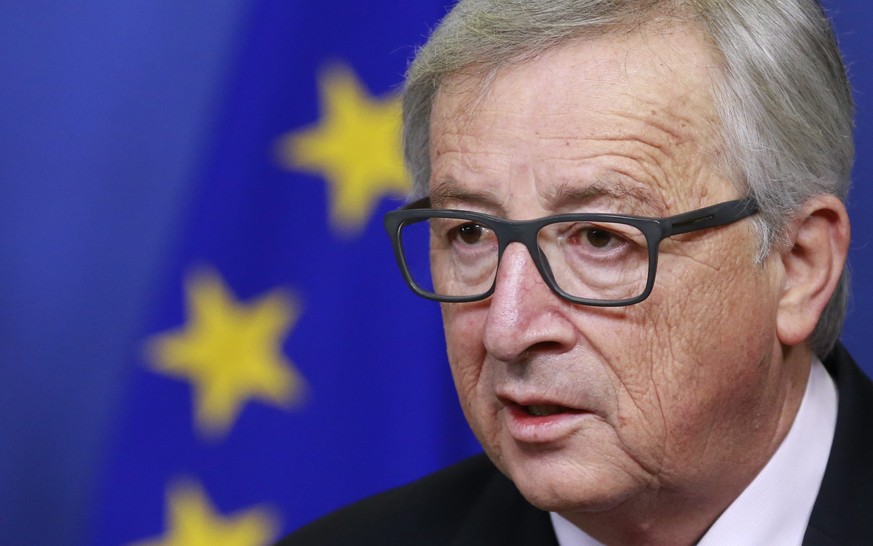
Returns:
<point x="714" y="216"/>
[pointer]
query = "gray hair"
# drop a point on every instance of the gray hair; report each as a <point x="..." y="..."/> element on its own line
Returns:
<point x="783" y="97"/>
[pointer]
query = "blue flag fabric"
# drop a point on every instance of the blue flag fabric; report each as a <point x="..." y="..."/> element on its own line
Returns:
<point x="288" y="370"/>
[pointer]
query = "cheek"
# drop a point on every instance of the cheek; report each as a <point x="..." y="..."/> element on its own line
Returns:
<point x="635" y="349"/>
<point x="464" y="325"/>
<point x="702" y="338"/>
<point x="716" y="314"/>
<point x="464" y="329"/>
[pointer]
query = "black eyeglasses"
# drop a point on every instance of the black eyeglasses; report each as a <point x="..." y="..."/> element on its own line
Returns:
<point x="605" y="260"/>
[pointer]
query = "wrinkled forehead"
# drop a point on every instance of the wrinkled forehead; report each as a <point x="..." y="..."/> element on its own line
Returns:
<point x="665" y="65"/>
<point x="652" y="88"/>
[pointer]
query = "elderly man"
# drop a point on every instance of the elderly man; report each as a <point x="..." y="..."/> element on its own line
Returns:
<point x="631" y="212"/>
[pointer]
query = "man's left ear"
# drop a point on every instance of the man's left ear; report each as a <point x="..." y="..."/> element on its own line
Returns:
<point x="818" y="237"/>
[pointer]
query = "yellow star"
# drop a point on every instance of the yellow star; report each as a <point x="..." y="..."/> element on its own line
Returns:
<point x="193" y="522"/>
<point x="356" y="147"/>
<point x="230" y="351"/>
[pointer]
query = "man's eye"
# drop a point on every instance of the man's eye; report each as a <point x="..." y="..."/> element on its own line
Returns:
<point x="590" y="237"/>
<point x="470" y="233"/>
<point x="599" y="238"/>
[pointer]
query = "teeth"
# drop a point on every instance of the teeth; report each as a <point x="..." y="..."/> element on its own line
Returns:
<point x="544" y="409"/>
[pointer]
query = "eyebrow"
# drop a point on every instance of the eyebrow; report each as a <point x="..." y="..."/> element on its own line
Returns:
<point x="566" y="196"/>
<point x="448" y="191"/>
<point x="570" y="196"/>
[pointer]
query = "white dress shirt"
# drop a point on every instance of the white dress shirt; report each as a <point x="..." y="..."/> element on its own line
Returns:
<point x="775" y="508"/>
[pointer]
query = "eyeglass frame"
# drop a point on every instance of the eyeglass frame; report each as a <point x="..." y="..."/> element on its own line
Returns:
<point x="525" y="232"/>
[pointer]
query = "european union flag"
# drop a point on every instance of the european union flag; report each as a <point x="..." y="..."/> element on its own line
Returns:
<point x="288" y="370"/>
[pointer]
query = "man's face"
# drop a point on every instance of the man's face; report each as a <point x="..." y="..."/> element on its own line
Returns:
<point x="588" y="408"/>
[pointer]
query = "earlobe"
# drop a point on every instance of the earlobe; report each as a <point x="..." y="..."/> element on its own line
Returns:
<point x="813" y="260"/>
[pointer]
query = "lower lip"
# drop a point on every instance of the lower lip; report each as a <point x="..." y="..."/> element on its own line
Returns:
<point x="542" y="429"/>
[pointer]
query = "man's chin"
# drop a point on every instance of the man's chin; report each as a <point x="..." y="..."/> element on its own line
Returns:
<point x="569" y="490"/>
<point x="571" y="502"/>
<point x="565" y="477"/>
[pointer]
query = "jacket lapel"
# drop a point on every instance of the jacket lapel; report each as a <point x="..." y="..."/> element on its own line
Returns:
<point x="841" y="514"/>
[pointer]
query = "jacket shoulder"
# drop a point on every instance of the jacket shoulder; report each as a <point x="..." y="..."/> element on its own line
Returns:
<point x="471" y="496"/>
<point x="841" y="511"/>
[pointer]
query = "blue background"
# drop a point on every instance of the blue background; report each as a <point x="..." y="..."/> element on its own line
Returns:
<point x="114" y="124"/>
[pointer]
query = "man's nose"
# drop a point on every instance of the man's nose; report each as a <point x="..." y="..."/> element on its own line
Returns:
<point x="524" y="313"/>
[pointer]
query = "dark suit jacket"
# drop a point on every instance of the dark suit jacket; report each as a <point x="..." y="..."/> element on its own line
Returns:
<point x="472" y="504"/>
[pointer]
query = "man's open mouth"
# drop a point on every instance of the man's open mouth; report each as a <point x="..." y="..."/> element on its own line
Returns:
<point x="543" y="410"/>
